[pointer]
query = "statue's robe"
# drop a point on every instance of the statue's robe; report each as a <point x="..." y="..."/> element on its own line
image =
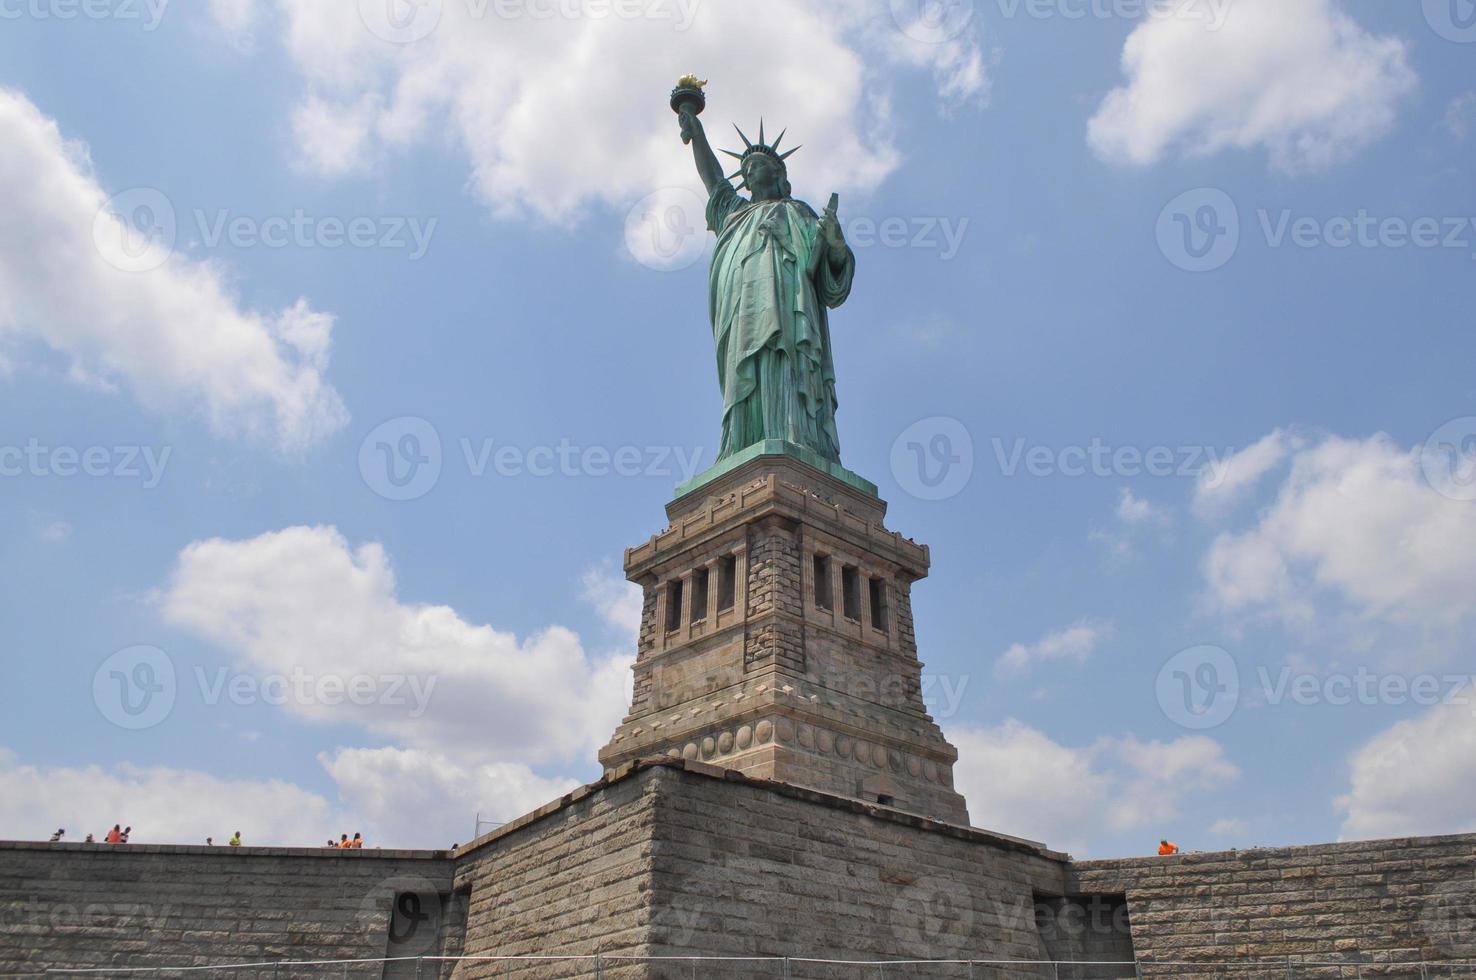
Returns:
<point x="769" y="287"/>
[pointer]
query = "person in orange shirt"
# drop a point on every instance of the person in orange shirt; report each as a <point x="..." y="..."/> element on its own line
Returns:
<point x="1165" y="848"/>
<point x="115" y="836"/>
<point x="343" y="843"/>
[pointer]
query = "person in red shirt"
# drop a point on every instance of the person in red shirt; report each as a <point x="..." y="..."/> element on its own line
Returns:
<point x="115" y="836"/>
<point x="1165" y="848"/>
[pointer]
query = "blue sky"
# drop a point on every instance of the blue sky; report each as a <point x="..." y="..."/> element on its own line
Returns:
<point x="1029" y="193"/>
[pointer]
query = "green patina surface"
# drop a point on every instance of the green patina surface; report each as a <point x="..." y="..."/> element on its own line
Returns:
<point x="777" y="447"/>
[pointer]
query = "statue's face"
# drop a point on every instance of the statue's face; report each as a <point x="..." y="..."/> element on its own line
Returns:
<point x="764" y="175"/>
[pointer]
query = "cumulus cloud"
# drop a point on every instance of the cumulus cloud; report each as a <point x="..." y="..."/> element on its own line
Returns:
<point x="1019" y="781"/>
<point x="302" y="601"/>
<point x="125" y="313"/>
<point x="1417" y="777"/>
<point x="162" y="805"/>
<point x="1220" y="488"/>
<point x="1299" y="79"/>
<point x="410" y="795"/>
<point x="617" y="601"/>
<point x="1075" y="644"/>
<point x="1354" y="528"/>
<point x="559" y="113"/>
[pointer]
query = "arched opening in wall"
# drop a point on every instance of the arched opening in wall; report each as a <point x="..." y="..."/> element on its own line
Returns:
<point x="1091" y="931"/>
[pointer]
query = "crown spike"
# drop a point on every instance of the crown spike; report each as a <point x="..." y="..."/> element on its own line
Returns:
<point x="747" y="143"/>
<point x="733" y="154"/>
<point x="736" y="173"/>
<point x="787" y="153"/>
<point x="761" y="131"/>
<point x="778" y="139"/>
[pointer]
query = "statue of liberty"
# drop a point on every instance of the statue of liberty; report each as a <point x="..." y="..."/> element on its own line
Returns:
<point x="776" y="270"/>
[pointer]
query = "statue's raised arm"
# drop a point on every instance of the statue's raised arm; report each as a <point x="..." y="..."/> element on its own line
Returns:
<point x="777" y="269"/>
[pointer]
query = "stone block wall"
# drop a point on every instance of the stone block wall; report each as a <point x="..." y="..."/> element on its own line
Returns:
<point x="98" y="905"/>
<point x="1381" y="903"/>
<point x="750" y="869"/>
<point x="573" y="878"/>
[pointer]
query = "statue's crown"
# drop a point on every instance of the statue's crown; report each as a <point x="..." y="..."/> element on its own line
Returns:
<point x="750" y="148"/>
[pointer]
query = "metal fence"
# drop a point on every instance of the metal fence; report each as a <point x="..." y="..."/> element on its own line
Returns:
<point x="617" y="967"/>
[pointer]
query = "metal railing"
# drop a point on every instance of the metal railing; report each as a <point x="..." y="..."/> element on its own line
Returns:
<point x="608" y="965"/>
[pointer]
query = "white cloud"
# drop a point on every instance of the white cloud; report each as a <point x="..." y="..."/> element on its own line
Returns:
<point x="1416" y="778"/>
<point x="1460" y="115"/>
<point x="162" y="805"/>
<point x="556" y="114"/>
<point x="1229" y="827"/>
<point x="1222" y="486"/>
<point x="1354" y="528"/>
<point x="1297" y="78"/>
<point x="1075" y="643"/>
<point x="617" y="601"/>
<point x="433" y="800"/>
<point x="175" y="335"/>
<point x="301" y="601"/>
<point x="1018" y="781"/>
<point x="1132" y="509"/>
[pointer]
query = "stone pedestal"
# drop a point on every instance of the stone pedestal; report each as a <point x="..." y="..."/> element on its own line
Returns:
<point x="776" y="638"/>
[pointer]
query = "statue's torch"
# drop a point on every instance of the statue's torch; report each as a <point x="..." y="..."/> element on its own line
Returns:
<point x="688" y="94"/>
